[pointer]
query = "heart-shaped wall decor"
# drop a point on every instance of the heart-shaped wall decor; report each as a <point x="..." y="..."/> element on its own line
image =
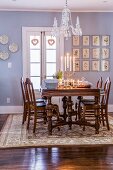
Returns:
<point x="51" y="41"/>
<point x="34" y="41"/>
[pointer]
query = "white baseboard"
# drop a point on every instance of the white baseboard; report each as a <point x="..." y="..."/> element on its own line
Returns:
<point x="11" y="109"/>
<point x="110" y="108"/>
<point x="19" y="109"/>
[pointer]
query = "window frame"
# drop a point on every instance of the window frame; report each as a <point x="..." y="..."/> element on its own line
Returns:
<point x="26" y="31"/>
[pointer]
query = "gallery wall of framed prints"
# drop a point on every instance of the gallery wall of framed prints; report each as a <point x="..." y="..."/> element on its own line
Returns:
<point x="91" y="53"/>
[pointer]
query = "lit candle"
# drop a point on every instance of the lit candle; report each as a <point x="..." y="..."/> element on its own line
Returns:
<point x="67" y="82"/>
<point x="70" y="64"/>
<point x="67" y="60"/>
<point x="73" y="82"/>
<point x="55" y="22"/>
<point x="65" y="63"/>
<point x="61" y="63"/>
<point x="78" y="82"/>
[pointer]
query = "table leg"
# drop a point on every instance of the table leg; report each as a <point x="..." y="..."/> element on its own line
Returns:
<point x="64" y="99"/>
<point x="49" y="125"/>
<point x="97" y="121"/>
<point x="97" y="116"/>
<point x="49" y="110"/>
<point x="69" y="110"/>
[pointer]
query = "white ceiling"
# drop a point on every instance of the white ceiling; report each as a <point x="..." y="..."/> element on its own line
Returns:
<point x="57" y="5"/>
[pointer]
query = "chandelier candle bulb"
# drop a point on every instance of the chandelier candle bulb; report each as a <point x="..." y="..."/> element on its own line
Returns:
<point x="78" y="21"/>
<point x="55" y="21"/>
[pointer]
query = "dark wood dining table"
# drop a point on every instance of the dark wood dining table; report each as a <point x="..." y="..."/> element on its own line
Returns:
<point x="67" y="93"/>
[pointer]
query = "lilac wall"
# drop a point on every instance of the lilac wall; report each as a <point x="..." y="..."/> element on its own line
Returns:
<point x="11" y="25"/>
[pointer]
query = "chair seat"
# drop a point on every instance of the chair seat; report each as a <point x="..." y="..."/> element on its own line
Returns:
<point x="91" y="104"/>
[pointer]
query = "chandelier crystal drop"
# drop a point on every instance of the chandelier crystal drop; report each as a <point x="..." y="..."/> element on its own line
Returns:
<point x="66" y="27"/>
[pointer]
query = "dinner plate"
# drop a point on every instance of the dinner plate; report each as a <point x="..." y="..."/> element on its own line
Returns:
<point x="4" y="39"/>
<point x="13" y="47"/>
<point x="4" y="55"/>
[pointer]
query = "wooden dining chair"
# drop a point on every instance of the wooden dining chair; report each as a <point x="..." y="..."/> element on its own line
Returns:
<point x="25" y="100"/>
<point x="81" y="99"/>
<point x="90" y="112"/>
<point x="104" y="102"/>
<point x="98" y="86"/>
<point x="99" y="109"/>
<point x="36" y="109"/>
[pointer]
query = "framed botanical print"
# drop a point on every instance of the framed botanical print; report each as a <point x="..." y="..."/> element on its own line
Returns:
<point x="96" y="53"/>
<point x="76" y="53"/>
<point x="105" y="53"/>
<point x="76" y="65"/>
<point x="96" y="40"/>
<point x="85" y="65"/>
<point x="85" y="40"/>
<point x="95" y="65"/>
<point x="105" y="65"/>
<point x="105" y="40"/>
<point x="76" y="40"/>
<point x="85" y="53"/>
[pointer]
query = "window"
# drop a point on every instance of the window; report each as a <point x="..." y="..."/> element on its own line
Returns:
<point x="41" y="54"/>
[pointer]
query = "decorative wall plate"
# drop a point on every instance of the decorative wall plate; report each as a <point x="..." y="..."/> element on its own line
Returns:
<point x="4" y="55"/>
<point x="13" y="47"/>
<point x="4" y="39"/>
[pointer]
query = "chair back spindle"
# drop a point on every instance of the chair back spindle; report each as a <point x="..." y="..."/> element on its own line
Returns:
<point x="99" y="83"/>
<point x="25" y="101"/>
<point x="107" y="86"/>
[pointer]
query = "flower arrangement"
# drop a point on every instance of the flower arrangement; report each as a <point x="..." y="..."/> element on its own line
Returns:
<point x="58" y="74"/>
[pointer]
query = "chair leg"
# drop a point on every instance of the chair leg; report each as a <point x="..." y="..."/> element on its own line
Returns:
<point x="35" y="120"/>
<point x="45" y="117"/>
<point x="97" y="121"/>
<point x="83" y="117"/>
<point x="79" y="110"/>
<point x="76" y="109"/>
<point x="102" y="116"/>
<point x="24" y="114"/>
<point x="28" y="119"/>
<point x="106" y="117"/>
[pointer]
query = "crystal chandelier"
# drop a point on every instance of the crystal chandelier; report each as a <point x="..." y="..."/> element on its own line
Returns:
<point x="66" y="28"/>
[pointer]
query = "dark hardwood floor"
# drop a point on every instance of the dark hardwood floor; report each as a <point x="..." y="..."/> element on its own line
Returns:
<point x="53" y="158"/>
<point x="63" y="158"/>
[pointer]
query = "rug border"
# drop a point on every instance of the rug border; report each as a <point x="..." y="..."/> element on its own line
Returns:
<point x="51" y="145"/>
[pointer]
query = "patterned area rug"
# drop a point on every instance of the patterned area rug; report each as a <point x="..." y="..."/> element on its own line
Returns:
<point x="14" y="134"/>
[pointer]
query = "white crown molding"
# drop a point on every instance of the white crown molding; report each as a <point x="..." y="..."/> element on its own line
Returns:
<point x="19" y="109"/>
<point x="37" y="10"/>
